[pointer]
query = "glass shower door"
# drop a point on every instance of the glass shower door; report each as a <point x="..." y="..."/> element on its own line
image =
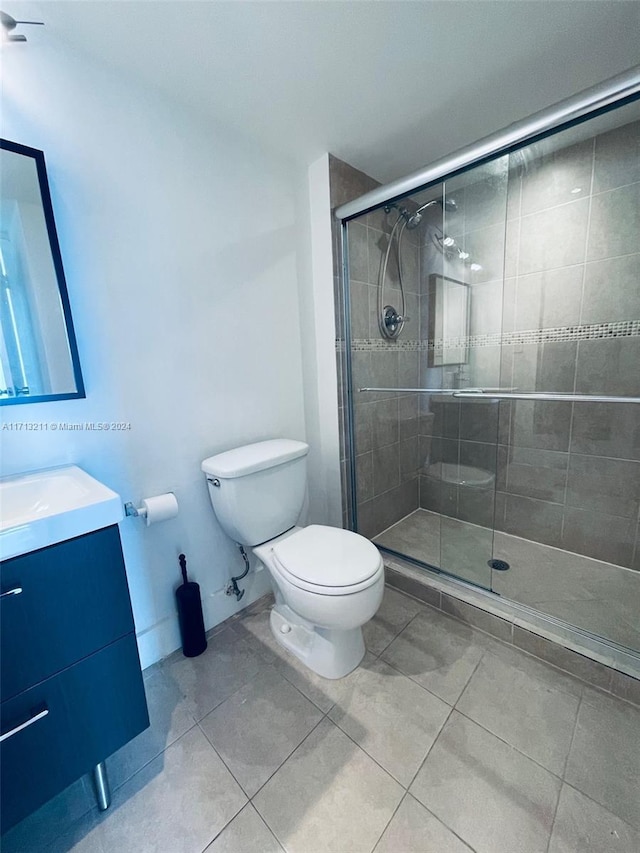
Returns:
<point x="502" y="422"/>
<point x="465" y="270"/>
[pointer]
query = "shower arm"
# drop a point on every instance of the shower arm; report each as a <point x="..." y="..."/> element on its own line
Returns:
<point x="499" y="394"/>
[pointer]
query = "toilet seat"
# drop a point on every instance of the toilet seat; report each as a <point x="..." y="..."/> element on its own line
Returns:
<point x="328" y="560"/>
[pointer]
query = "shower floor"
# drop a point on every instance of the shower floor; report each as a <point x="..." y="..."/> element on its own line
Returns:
<point x="598" y="597"/>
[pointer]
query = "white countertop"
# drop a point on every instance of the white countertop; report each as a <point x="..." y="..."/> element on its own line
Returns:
<point x="41" y="508"/>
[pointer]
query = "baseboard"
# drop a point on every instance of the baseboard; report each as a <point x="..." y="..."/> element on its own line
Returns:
<point x="161" y="639"/>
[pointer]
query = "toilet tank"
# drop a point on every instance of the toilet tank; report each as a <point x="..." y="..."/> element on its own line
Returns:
<point x="258" y="490"/>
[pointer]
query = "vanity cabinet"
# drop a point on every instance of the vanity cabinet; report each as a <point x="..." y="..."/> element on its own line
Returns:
<point x="71" y="685"/>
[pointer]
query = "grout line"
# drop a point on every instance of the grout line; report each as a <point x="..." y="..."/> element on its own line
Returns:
<point x="564" y="770"/>
<point x="635" y="830"/>
<point x="574" y="200"/>
<point x="283" y="673"/>
<point x="236" y="780"/>
<point x="272" y="833"/>
<point x="218" y="834"/>
<point x="518" y="649"/>
<point x="469" y="680"/>
<point x="280" y="766"/>
<point x="573" y="734"/>
<point x="429" y="751"/>
<point x="388" y="823"/>
<point x="510" y="745"/>
<point x="555" y="814"/>
<point x="368" y="754"/>
<point x="411" y="678"/>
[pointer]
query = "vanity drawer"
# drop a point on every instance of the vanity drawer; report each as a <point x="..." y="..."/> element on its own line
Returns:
<point x="59" y="605"/>
<point x="81" y="716"/>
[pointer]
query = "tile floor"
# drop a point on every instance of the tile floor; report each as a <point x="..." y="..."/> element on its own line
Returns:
<point x="600" y="597"/>
<point x="444" y="740"/>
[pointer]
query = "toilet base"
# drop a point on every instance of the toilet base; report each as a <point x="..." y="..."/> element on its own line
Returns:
<point x="329" y="652"/>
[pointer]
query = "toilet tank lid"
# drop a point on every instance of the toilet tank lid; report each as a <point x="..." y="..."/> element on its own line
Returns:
<point x="254" y="457"/>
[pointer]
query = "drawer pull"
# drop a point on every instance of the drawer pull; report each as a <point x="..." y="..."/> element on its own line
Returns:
<point x="15" y="591"/>
<point x="26" y="724"/>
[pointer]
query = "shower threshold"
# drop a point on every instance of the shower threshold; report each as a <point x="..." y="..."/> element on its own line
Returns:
<point x="600" y="598"/>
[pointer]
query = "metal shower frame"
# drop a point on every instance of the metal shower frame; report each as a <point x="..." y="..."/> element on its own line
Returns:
<point x="610" y="94"/>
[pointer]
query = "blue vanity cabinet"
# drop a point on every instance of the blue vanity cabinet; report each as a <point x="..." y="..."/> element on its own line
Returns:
<point x="72" y="689"/>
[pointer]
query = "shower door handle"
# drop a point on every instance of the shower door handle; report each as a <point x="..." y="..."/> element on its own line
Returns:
<point x="449" y="392"/>
<point x="497" y="395"/>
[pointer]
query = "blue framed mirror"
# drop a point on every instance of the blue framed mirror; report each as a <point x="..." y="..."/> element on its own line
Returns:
<point x="38" y="352"/>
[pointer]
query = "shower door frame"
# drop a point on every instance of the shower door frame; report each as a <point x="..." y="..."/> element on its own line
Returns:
<point x="611" y="94"/>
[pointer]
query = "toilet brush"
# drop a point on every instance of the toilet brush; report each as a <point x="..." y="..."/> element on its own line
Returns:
<point x="194" y="641"/>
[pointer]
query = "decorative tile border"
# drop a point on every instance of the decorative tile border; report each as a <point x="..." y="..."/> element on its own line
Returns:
<point x="586" y="332"/>
<point x="382" y="345"/>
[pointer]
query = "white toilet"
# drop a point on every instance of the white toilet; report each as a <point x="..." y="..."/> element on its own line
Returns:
<point x="328" y="582"/>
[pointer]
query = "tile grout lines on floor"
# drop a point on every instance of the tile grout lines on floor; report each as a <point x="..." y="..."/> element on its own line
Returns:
<point x="389" y="624"/>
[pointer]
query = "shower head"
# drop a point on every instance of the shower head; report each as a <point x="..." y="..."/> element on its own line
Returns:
<point x="450" y="206"/>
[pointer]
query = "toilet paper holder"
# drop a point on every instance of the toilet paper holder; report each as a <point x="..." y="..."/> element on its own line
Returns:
<point x="132" y="511"/>
<point x="153" y="509"/>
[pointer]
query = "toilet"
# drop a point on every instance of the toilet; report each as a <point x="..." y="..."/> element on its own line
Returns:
<point x="328" y="582"/>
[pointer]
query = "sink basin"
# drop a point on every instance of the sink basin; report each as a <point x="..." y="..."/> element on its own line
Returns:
<point x="44" y="507"/>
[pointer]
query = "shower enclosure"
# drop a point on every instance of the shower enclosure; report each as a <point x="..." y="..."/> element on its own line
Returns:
<point x="491" y="371"/>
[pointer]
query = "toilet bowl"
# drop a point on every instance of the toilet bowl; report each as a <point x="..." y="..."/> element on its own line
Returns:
<point x="328" y="582"/>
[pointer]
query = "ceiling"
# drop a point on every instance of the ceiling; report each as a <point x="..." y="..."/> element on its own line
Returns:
<point x="386" y="86"/>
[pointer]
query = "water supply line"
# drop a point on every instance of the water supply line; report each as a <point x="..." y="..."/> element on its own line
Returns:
<point x="232" y="586"/>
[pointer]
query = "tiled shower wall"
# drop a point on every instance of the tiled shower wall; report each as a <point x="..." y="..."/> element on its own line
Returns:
<point x="345" y="184"/>
<point x="568" y="474"/>
<point x="387" y="424"/>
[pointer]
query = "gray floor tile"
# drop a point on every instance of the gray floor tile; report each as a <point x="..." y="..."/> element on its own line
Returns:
<point x="589" y="593"/>
<point x="178" y="803"/>
<point x="247" y="833"/>
<point x="604" y="761"/>
<point x="413" y="829"/>
<point x="323" y="692"/>
<point x="582" y="826"/>
<point x="561" y="658"/>
<point x="169" y="718"/>
<point x="438" y="652"/>
<point x="492" y="796"/>
<point x="254" y="628"/>
<point x="396" y="611"/>
<point x="259" y="726"/>
<point x="228" y="663"/>
<point x="392" y="718"/>
<point x="525" y="711"/>
<point x="328" y="796"/>
<point x="536" y="668"/>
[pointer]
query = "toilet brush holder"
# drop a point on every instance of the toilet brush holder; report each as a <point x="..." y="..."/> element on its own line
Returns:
<point x="190" y="619"/>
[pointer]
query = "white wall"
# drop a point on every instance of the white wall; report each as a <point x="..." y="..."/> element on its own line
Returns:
<point x="318" y="345"/>
<point x="179" y="245"/>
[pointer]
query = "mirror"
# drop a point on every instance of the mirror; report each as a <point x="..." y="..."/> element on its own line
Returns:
<point x="38" y="353"/>
<point x="448" y="321"/>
